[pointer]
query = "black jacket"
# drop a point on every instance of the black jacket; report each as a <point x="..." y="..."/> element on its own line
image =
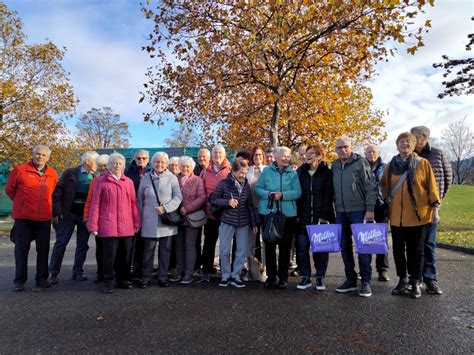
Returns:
<point x="317" y="196"/>
<point x="133" y="172"/>
<point x="244" y="214"/>
<point x="63" y="195"/>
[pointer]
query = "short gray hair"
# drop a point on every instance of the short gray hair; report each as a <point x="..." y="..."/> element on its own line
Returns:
<point x="185" y="160"/>
<point x="90" y="155"/>
<point x="43" y="147"/>
<point x="205" y="150"/>
<point x="113" y="157"/>
<point x="102" y="159"/>
<point x="142" y="151"/>
<point x="279" y="150"/>
<point x="421" y="130"/>
<point x="159" y="155"/>
<point x="219" y="146"/>
<point x="174" y="160"/>
<point x="372" y="146"/>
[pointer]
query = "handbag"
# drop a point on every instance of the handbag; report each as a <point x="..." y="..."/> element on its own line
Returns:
<point x="370" y="238"/>
<point x="325" y="238"/>
<point x="275" y="224"/>
<point x="196" y="219"/>
<point x="173" y="218"/>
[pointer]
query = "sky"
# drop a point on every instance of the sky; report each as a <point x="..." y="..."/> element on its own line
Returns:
<point x="107" y="66"/>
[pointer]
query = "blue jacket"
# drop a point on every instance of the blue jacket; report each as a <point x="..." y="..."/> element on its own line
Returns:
<point x="274" y="180"/>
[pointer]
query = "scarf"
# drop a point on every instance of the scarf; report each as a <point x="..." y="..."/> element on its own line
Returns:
<point x="398" y="166"/>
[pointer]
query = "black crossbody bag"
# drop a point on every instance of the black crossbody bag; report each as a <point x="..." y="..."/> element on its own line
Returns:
<point x="173" y="218"/>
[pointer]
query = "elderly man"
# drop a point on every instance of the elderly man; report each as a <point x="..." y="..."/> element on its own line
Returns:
<point x="372" y="154"/>
<point x="444" y="177"/>
<point x="69" y="199"/>
<point x="137" y="169"/>
<point x="356" y="193"/>
<point x="217" y="170"/>
<point x="30" y="186"/>
<point x="203" y="158"/>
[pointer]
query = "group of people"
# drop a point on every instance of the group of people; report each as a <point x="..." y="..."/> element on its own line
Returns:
<point x="130" y="212"/>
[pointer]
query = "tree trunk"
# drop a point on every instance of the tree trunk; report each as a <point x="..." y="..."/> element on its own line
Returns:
<point x="274" y="124"/>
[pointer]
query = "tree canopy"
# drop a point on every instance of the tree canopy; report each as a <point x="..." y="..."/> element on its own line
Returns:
<point x="277" y="70"/>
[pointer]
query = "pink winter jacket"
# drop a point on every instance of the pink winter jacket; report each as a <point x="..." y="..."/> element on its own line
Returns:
<point x="194" y="195"/>
<point x="114" y="210"/>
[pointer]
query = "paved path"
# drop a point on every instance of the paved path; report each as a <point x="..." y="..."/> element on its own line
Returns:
<point x="76" y="317"/>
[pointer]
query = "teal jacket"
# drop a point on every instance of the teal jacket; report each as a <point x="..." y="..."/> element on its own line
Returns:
<point x="285" y="181"/>
<point x="354" y="185"/>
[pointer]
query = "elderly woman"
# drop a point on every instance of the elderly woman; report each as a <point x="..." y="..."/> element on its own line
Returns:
<point x="173" y="165"/>
<point x="102" y="161"/>
<point x="114" y="217"/>
<point x="410" y="188"/>
<point x="160" y="181"/>
<point x="233" y="194"/>
<point x="194" y="197"/>
<point x="315" y="206"/>
<point x="279" y="183"/>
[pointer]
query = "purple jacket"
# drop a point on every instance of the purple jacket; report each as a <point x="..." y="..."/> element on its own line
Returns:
<point x="194" y="195"/>
<point x="114" y="210"/>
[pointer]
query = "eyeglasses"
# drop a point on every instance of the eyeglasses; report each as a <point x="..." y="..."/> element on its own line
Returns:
<point x="141" y="158"/>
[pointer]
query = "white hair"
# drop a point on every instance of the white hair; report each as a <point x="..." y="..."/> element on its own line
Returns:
<point x="102" y="159"/>
<point x="344" y="138"/>
<point x="185" y="160"/>
<point x="159" y="155"/>
<point x="142" y="151"/>
<point x="423" y="130"/>
<point x="90" y="155"/>
<point x="174" y="160"/>
<point x="113" y="157"/>
<point x="219" y="146"/>
<point x="374" y="146"/>
<point x="279" y="150"/>
<point x="41" y="147"/>
<point x="205" y="150"/>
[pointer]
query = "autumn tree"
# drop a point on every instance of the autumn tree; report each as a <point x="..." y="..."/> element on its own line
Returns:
<point x="459" y="143"/>
<point x="102" y="129"/>
<point x="36" y="96"/>
<point x="462" y="81"/>
<point x="182" y="137"/>
<point x="229" y="63"/>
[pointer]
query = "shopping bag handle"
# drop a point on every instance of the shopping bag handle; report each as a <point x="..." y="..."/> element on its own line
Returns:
<point x="369" y="222"/>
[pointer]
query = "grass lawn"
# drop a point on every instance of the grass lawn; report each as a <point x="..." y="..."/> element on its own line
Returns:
<point x="457" y="217"/>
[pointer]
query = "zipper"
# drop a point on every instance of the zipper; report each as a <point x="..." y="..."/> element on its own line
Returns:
<point x="41" y="192"/>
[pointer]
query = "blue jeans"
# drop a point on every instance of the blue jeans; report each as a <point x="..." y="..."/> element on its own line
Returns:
<point x="429" y="267"/>
<point x="226" y="234"/>
<point x="320" y="259"/>
<point x="64" y="231"/>
<point x="346" y="219"/>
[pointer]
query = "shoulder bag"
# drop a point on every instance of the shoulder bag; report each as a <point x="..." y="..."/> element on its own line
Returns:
<point x="173" y="218"/>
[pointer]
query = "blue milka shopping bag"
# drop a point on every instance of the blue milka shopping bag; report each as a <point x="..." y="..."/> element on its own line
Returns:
<point x="370" y="238"/>
<point x="324" y="238"/>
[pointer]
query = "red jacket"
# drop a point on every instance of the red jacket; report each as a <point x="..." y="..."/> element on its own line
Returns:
<point x="31" y="192"/>
<point x="114" y="210"/>
<point x="211" y="179"/>
<point x="194" y="195"/>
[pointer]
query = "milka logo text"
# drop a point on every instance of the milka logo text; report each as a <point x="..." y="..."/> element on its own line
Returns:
<point x="373" y="236"/>
<point x="324" y="237"/>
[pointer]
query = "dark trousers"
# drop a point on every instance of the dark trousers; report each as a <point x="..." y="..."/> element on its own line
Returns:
<point x="284" y="250"/>
<point x="138" y="255"/>
<point x="117" y="252"/>
<point x="320" y="260"/>
<point x="164" y="251"/>
<point x="408" y="250"/>
<point x="186" y="250"/>
<point x="99" y="255"/>
<point x="25" y="232"/>
<point x="64" y="231"/>
<point x="381" y="260"/>
<point x="346" y="219"/>
<point x="198" y="263"/>
<point x="211" y="233"/>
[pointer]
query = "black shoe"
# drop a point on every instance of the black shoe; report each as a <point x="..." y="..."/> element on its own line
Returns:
<point x="54" y="278"/>
<point x="365" y="290"/>
<point x="433" y="289"/>
<point x="144" y="284"/>
<point x="304" y="284"/>
<point x="19" y="288"/>
<point x="347" y="286"/>
<point x="320" y="285"/>
<point x="163" y="284"/>
<point x="401" y="288"/>
<point x="99" y="278"/>
<point x="126" y="285"/>
<point x="282" y="285"/>
<point x="383" y="276"/>
<point x="224" y="283"/>
<point x="40" y="285"/>
<point x="79" y="277"/>
<point x="270" y="283"/>
<point x="415" y="290"/>
<point x="108" y="288"/>
<point x="237" y="283"/>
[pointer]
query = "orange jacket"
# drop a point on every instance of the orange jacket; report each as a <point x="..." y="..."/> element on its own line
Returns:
<point x="402" y="212"/>
<point x="31" y="192"/>
<point x="87" y="206"/>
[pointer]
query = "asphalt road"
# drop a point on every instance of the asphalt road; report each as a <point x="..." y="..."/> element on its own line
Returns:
<point x="74" y="317"/>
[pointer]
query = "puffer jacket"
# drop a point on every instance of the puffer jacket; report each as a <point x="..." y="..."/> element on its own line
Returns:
<point x="274" y="180"/>
<point x="31" y="192"/>
<point x="354" y="185"/>
<point x="244" y="213"/>
<point x="441" y="167"/>
<point x="317" y="196"/>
